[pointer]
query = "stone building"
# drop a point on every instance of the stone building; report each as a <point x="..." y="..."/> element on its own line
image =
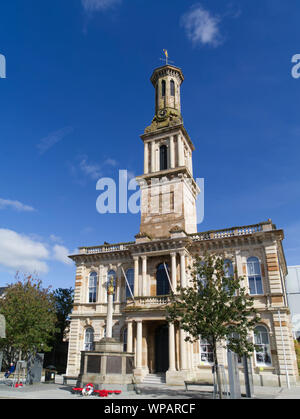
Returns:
<point x="157" y="260"/>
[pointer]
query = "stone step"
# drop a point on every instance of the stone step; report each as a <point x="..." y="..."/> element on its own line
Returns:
<point x="155" y="379"/>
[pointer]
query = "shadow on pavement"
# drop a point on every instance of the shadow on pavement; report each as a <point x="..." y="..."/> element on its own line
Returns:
<point x="180" y="394"/>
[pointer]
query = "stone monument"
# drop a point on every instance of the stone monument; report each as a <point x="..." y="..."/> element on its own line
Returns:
<point x="108" y="366"/>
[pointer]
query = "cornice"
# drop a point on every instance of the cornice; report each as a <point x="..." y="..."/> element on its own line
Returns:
<point x="166" y="70"/>
<point x="168" y="131"/>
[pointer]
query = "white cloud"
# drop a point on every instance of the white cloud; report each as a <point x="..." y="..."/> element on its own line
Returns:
<point x="61" y="254"/>
<point x="20" y="252"/>
<point x="201" y="26"/>
<point x="7" y="203"/>
<point x="111" y="162"/>
<point x="89" y="169"/>
<point x="53" y="138"/>
<point x="28" y="253"/>
<point x="99" y="5"/>
<point x="55" y="238"/>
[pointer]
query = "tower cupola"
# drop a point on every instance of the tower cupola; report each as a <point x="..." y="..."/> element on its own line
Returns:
<point x="167" y="81"/>
<point x="168" y="189"/>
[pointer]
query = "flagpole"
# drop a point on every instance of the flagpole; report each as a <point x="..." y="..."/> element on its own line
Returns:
<point x="127" y="283"/>
<point x="168" y="277"/>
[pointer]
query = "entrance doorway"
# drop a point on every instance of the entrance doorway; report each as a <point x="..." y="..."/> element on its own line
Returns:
<point x="162" y="348"/>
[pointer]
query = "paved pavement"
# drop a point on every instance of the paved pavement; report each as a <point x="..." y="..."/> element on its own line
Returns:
<point x="60" y="391"/>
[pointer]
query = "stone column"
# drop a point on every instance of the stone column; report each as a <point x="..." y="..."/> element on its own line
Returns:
<point x="146" y="158"/>
<point x="139" y="338"/>
<point x="183" y="350"/>
<point x="129" y="336"/>
<point x="136" y="276"/>
<point x="191" y="163"/>
<point x="153" y="165"/>
<point x="99" y="285"/>
<point x="172" y="152"/>
<point x="173" y="271"/>
<point x="144" y="275"/>
<point x="180" y="151"/>
<point x="182" y="270"/>
<point x="157" y="158"/>
<point x="103" y="284"/>
<point x="171" y="347"/>
<point x="118" y="285"/>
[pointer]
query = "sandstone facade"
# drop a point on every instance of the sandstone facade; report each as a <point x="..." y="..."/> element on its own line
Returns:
<point x="168" y="241"/>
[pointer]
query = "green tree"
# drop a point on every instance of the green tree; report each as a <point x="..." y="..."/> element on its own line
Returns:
<point x="63" y="298"/>
<point x="29" y="310"/>
<point x="215" y="307"/>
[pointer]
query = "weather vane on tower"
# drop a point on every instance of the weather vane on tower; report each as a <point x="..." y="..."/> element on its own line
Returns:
<point x="167" y="57"/>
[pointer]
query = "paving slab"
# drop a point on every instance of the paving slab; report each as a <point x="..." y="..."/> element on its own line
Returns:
<point x="153" y="392"/>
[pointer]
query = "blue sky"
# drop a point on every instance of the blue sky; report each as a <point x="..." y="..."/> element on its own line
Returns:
<point x="77" y="96"/>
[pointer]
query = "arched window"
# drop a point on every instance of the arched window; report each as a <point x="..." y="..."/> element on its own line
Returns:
<point x="254" y="276"/>
<point x="89" y="339"/>
<point x="109" y="275"/>
<point x="206" y="352"/>
<point x="163" y="88"/>
<point x="163" y="153"/>
<point x="236" y="336"/>
<point x="162" y="281"/>
<point x="93" y="287"/>
<point x="172" y="88"/>
<point x="130" y="279"/>
<point x="228" y="271"/>
<point x="262" y="346"/>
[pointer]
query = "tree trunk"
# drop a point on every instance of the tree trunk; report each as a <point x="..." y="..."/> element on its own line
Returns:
<point x="217" y="370"/>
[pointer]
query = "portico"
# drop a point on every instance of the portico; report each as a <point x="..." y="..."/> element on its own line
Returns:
<point x="158" y="346"/>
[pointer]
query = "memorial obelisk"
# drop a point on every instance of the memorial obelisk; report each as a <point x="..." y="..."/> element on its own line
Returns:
<point x="108" y="365"/>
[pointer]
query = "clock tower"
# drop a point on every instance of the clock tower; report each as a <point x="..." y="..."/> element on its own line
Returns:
<point x="168" y="189"/>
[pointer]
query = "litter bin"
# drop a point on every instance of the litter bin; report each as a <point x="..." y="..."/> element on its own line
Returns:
<point x="50" y="372"/>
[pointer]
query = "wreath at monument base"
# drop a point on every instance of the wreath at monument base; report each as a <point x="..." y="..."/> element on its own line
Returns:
<point x="88" y="389"/>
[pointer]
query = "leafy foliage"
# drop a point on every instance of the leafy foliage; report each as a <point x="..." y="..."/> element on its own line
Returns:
<point x="63" y="298"/>
<point x="30" y="316"/>
<point x="214" y="307"/>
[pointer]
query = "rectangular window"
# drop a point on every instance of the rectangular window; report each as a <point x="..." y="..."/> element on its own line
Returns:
<point x="255" y="285"/>
<point x="93" y="287"/>
<point x="92" y="295"/>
